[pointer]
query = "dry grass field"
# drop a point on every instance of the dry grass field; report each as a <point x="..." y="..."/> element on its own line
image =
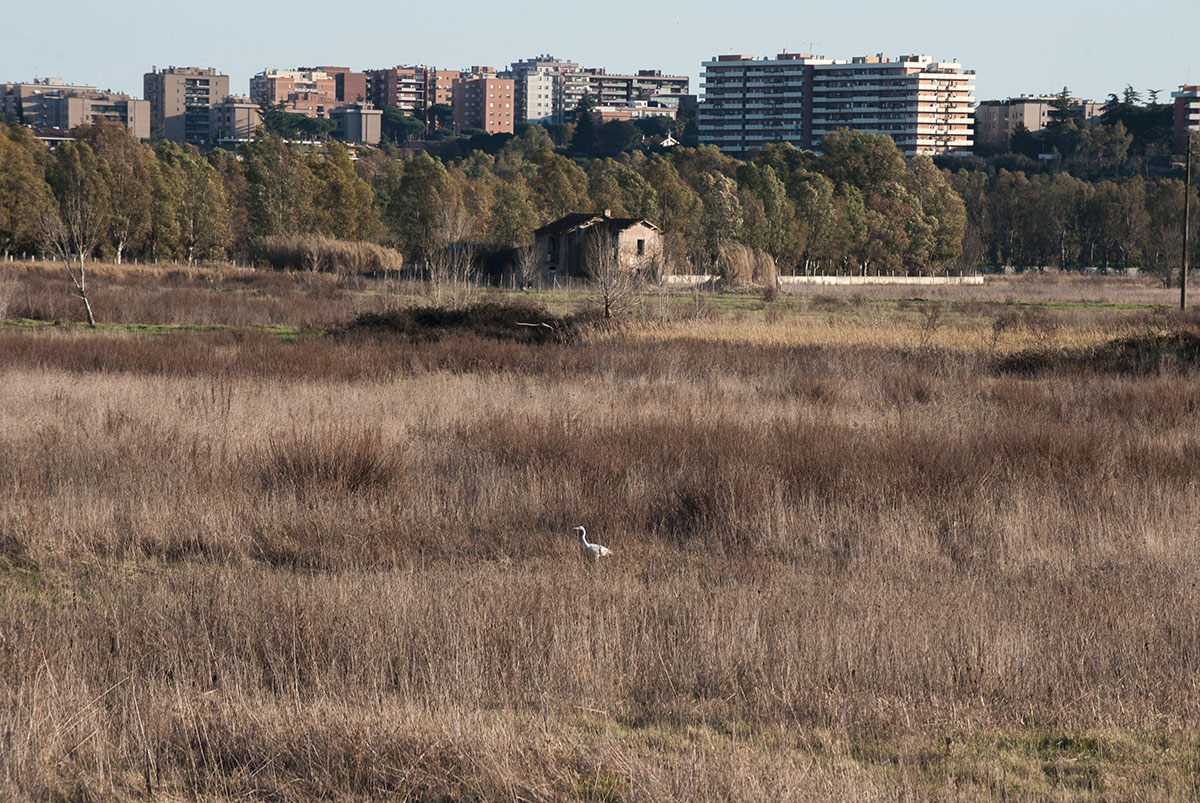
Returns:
<point x="865" y="547"/>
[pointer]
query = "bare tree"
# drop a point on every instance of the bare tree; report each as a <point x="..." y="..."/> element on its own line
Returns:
<point x="80" y="222"/>
<point x="614" y="281"/>
<point x="529" y="264"/>
<point x="452" y="258"/>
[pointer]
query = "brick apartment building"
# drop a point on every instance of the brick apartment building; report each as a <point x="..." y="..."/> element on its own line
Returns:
<point x="48" y="103"/>
<point x="413" y="90"/>
<point x="923" y="105"/>
<point x="997" y="120"/>
<point x="349" y="86"/>
<point x="181" y="101"/>
<point x="485" y="102"/>
<point x="1187" y="114"/>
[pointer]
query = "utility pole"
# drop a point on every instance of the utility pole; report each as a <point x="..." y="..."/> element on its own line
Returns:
<point x="1187" y="203"/>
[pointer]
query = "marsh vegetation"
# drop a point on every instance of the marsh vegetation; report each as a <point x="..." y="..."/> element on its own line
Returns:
<point x="857" y="555"/>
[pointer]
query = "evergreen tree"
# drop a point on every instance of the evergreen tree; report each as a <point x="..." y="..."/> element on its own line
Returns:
<point x="281" y="186"/>
<point x="343" y="204"/>
<point x="128" y="164"/>
<point x="25" y="198"/>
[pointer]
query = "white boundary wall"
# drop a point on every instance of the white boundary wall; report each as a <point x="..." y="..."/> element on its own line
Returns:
<point x="698" y="279"/>
<point x="853" y="280"/>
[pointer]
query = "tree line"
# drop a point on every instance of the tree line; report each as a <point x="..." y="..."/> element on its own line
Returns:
<point x="857" y="207"/>
<point x="1059" y="220"/>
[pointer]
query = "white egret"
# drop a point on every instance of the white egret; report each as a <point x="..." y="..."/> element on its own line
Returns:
<point x="593" y="551"/>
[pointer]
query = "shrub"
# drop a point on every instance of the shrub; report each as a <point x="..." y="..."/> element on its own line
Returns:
<point x="1154" y="352"/>
<point x="334" y="458"/>
<point x="527" y="323"/>
<point x="310" y="252"/>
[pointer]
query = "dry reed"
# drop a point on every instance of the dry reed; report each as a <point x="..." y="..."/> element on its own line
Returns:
<point x="232" y="566"/>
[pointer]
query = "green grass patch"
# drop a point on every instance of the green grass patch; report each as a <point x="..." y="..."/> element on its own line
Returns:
<point x="285" y="333"/>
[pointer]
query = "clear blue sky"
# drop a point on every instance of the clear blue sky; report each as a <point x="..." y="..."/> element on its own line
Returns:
<point x="1021" y="46"/>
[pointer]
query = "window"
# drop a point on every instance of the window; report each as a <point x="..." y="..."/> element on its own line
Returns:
<point x="641" y="248"/>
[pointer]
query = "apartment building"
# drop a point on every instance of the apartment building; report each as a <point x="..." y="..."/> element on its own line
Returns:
<point x="358" y="123"/>
<point x="485" y="102"/>
<point x="997" y="120"/>
<point x="49" y="103"/>
<point x="638" y="110"/>
<point x="234" y="119"/>
<point x="349" y="86"/>
<point x="750" y="103"/>
<point x="538" y="86"/>
<point x="14" y="97"/>
<point x="548" y="89"/>
<point x="621" y="90"/>
<point x="534" y="87"/>
<point x="925" y="106"/>
<point x="413" y="89"/>
<point x="1187" y="114"/>
<point x="181" y="101"/>
<point x="311" y="92"/>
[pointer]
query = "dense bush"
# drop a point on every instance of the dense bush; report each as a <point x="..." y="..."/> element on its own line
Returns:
<point x="521" y="322"/>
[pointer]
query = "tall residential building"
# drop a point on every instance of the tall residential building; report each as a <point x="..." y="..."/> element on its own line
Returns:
<point x="181" y="100"/>
<point x="750" y="103"/>
<point x="413" y="90"/>
<point x="311" y="92"/>
<point x="485" y="102"/>
<point x="923" y="105"/>
<point x="538" y="87"/>
<point x="1187" y="114"/>
<point x="997" y="120"/>
<point x="49" y="103"/>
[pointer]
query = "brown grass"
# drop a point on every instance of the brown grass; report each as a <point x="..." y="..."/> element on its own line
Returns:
<point x="233" y="566"/>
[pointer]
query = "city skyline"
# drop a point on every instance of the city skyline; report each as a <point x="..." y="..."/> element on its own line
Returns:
<point x="1031" y="48"/>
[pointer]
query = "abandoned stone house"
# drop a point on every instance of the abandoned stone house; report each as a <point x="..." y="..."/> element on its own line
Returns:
<point x="637" y="243"/>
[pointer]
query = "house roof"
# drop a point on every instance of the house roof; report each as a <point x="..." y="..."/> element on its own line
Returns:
<point x="581" y="220"/>
<point x="568" y="223"/>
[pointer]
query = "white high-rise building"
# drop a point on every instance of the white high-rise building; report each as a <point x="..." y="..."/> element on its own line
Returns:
<point x="749" y="102"/>
<point x="924" y="106"/>
<point x="538" y="86"/>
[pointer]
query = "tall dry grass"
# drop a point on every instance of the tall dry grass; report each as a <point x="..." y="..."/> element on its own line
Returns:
<point x="325" y="254"/>
<point x="232" y="566"/>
